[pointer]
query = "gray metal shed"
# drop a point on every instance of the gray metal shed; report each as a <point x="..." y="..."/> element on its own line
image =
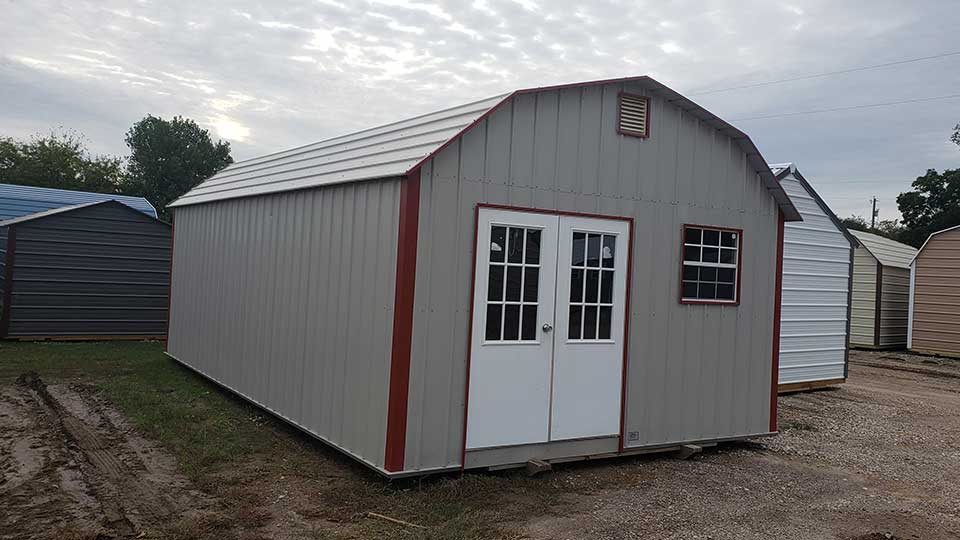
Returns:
<point x="99" y="270"/>
<point x="881" y="292"/>
<point x="557" y="273"/>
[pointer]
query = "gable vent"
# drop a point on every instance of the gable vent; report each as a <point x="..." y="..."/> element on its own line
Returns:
<point x="634" y="119"/>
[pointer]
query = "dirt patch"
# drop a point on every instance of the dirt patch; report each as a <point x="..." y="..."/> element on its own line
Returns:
<point x="875" y="459"/>
<point x="68" y="469"/>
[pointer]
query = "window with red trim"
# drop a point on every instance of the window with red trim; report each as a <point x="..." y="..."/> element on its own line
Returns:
<point x="710" y="266"/>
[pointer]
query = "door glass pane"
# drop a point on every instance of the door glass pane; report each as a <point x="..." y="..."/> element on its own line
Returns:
<point x="515" y="245"/>
<point x="514" y="276"/>
<point x="609" y="250"/>
<point x="593" y="285"/>
<point x="495" y="283"/>
<point x="590" y="322"/>
<point x="576" y="315"/>
<point x="529" y="328"/>
<point x="579" y="245"/>
<point x="593" y="250"/>
<point x="606" y="287"/>
<point x="498" y="243"/>
<point x="606" y="319"/>
<point x="493" y="322"/>
<point x="533" y="246"/>
<point x="531" y="283"/>
<point x="511" y="322"/>
<point x="576" y="285"/>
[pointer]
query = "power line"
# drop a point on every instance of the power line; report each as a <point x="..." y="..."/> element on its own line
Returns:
<point x="826" y="74"/>
<point x="850" y="108"/>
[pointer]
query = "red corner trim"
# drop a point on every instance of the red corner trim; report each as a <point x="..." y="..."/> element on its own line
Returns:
<point x="775" y="372"/>
<point x="402" y="322"/>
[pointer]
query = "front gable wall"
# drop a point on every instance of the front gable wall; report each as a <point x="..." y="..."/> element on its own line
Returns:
<point x="694" y="371"/>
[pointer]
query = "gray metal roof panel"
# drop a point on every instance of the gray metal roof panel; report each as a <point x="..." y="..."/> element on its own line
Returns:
<point x="887" y="252"/>
<point x="397" y="149"/>
<point x="17" y="200"/>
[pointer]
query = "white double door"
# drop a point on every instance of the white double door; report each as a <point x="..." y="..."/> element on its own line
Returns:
<point x="548" y="321"/>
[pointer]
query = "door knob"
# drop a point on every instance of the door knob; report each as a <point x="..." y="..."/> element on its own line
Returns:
<point x="547" y="327"/>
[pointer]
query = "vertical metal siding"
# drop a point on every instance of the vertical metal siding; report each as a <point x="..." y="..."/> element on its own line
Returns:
<point x="816" y="274"/>
<point x="894" y="307"/>
<point x="936" y="298"/>
<point x="695" y="372"/>
<point x="287" y="299"/>
<point x="97" y="271"/>
<point x="864" y="300"/>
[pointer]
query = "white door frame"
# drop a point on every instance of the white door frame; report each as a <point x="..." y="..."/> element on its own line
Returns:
<point x="477" y="302"/>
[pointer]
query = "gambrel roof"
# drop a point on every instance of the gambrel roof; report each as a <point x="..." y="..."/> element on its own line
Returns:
<point x="399" y="148"/>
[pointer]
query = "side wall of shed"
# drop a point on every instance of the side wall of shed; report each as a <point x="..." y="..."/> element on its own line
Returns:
<point x="287" y="299"/>
<point x="97" y="271"/>
<point x="694" y="371"/>
<point x="894" y="307"/>
<point x="816" y="279"/>
<point x="936" y="296"/>
<point x="863" y="312"/>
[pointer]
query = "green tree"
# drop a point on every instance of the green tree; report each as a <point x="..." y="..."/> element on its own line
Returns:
<point x="170" y="157"/>
<point x="934" y="204"/>
<point x="59" y="159"/>
<point x="889" y="228"/>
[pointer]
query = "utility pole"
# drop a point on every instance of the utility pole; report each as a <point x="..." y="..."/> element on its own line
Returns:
<point x="873" y="215"/>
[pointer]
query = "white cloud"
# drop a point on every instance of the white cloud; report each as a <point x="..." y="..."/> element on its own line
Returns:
<point x="301" y="70"/>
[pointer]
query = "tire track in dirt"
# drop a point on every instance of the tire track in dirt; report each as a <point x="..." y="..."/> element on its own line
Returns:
<point x="130" y="500"/>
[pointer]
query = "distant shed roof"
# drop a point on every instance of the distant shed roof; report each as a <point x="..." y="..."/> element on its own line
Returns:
<point x="16" y="201"/>
<point x="399" y="148"/>
<point x="888" y="252"/>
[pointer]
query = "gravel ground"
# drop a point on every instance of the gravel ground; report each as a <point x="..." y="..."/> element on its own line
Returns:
<point x="878" y="457"/>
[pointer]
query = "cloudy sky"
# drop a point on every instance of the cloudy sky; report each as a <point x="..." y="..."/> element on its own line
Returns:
<point x="271" y="75"/>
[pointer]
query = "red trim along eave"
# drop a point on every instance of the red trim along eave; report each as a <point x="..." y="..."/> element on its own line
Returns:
<point x="777" y="294"/>
<point x="402" y="322"/>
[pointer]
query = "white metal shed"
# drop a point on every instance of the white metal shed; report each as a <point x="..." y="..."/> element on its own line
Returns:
<point x="817" y="285"/>
<point x="557" y="273"/>
<point x="881" y="292"/>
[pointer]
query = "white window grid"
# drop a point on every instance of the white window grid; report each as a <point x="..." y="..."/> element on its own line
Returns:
<point x="604" y="273"/>
<point x="735" y="265"/>
<point x="523" y="265"/>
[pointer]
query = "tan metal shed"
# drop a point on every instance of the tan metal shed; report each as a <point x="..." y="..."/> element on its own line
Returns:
<point x="881" y="292"/>
<point x="557" y="273"/>
<point x="935" y="295"/>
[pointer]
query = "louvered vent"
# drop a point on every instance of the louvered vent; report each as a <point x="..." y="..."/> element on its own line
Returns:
<point x="634" y="115"/>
